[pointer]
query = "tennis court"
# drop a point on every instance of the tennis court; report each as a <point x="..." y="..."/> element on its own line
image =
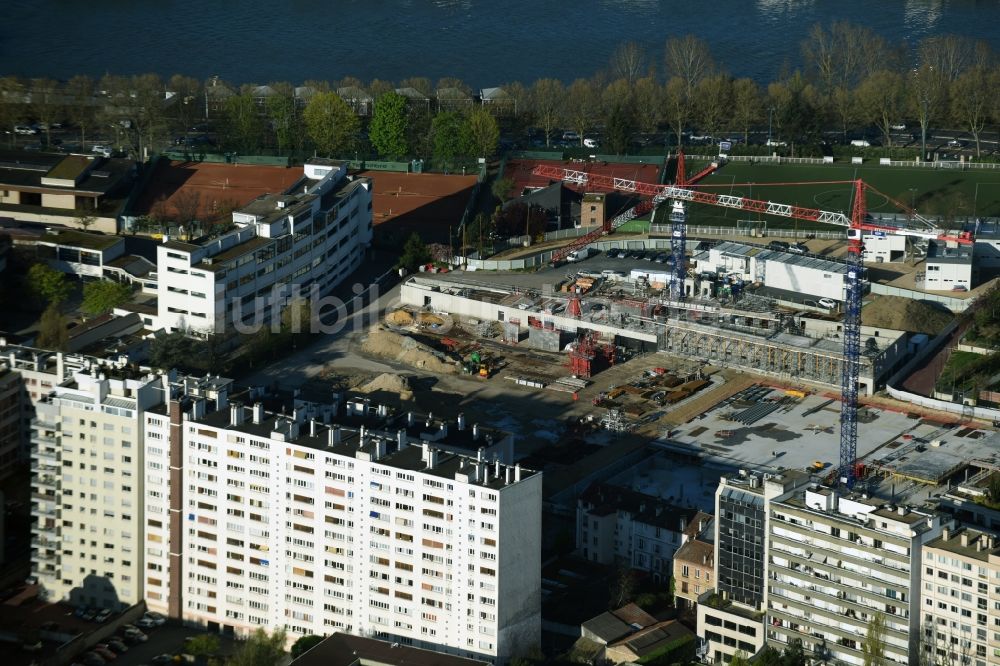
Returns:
<point x="427" y="203"/>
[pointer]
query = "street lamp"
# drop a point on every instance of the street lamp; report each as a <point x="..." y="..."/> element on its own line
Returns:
<point x="913" y="198"/>
<point x="770" y="115"/>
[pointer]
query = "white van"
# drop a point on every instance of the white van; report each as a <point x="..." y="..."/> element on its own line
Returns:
<point x="581" y="254"/>
<point x="861" y="143"/>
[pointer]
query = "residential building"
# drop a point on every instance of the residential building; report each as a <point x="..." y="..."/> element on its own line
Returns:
<point x="498" y="101"/>
<point x="835" y="561"/>
<point x="619" y="525"/>
<point x="301" y="522"/>
<point x="949" y="267"/>
<point x="361" y="101"/>
<point x="453" y="99"/>
<point x="305" y="241"/>
<point x="86" y="496"/>
<point x="346" y="650"/>
<point x="77" y="252"/>
<point x="694" y="569"/>
<point x="960" y="595"/>
<point x="13" y="403"/>
<point x="60" y="189"/>
<point x="607" y="628"/>
<point x="593" y="209"/>
<point x="730" y="617"/>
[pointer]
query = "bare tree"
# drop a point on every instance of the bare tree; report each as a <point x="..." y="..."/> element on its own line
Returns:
<point x="747" y="105"/>
<point x="186" y="92"/>
<point x="547" y="104"/>
<point x="12" y="104"/>
<point x="974" y="96"/>
<point x="843" y="106"/>
<point x="616" y="94"/>
<point x="688" y="58"/>
<point x="452" y="82"/>
<point x="928" y="98"/>
<point x="80" y="107"/>
<point x="187" y="205"/>
<point x="628" y="61"/>
<point x="378" y="87"/>
<point x="419" y="83"/>
<point x="949" y="55"/>
<point x="148" y="111"/>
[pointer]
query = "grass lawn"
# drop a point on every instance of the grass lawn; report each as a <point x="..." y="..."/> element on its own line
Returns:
<point x="931" y="191"/>
<point x="957" y="371"/>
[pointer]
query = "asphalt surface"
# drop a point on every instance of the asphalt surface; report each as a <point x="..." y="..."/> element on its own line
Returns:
<point x="166" y="639"/>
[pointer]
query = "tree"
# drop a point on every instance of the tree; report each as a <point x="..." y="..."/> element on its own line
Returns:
<point x="483" y="132"/>
<point x="582" y="106"/>
<point x="261" y="649"/>
<point x="85" y="219"/>
<point x="331" y="124"/>
<point x="13" y="109"/>
<point x="49" y="283"/>
<point x="747" y="105"/>
<point x="547" y="104"/>
<point x="880" y="97"/>
<point x="688" y="58"/>
<point x="844" y="108"/>
<point x="622" y="587"/>
<point x="648" y="95"/>
<point x="873" y="646"/>
<point x="45" y="104"/>
<point x="713" y="102"/>
<point x="243" y="127"/>
<point x="418" y="132"/>
<point x="927" y="96"/>
<point x="80" y="94"/>
<point x="387" y="130"/>
<point x="187" y="205"/>
<point x="974" y="95"/>
<point x="415" y="254"/>
<point x="305" y="644"/>
<point x="795" y="105"/>
<point x="103" y="296"/>
<point x="950" y="55"/>
<point x="202" y="645"/>
<point x="285" y="121"/>
<point x="419" y="83"/>
<point x="174" y="350"/>
<point x="52" y="332"/>
<point x="619" y="128"/>
<point x="501" y="188"/>
<point x="148" y="110"/>
<point x="186" y="93"/>
<point x="678" y="109"/>
<point x="450" y="135"/>
<point x="628" y="61"/>
<point x="378" y="88"/>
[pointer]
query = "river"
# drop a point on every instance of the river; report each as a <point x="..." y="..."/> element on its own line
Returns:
<point x="482" y="43"/>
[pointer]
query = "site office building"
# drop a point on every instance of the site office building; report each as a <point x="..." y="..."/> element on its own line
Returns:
<point x="312" y="239"/>
<point x="283" y="522"/>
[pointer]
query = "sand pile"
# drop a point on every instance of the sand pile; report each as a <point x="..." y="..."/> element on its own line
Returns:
<point x="390" y="384"/>
<point x="904" y="314"/>
<point x="399" y="318"/>
<point x="387" y="344"/>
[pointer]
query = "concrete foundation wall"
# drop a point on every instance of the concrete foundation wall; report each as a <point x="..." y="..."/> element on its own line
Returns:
<point x="545" y="339"/>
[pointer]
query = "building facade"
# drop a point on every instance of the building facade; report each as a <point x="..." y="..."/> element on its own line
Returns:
<point x="284" y="246"/>
<point x="295" y="522"/>
<point x="86" y="489"/>
<point x="960" y="598"/>
<point x="835" y="562"/>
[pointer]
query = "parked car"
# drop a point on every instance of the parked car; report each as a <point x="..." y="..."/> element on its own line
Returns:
<point x="161" y="659"/>
<point x="861" y="143"/>
<point x="661" y="258"/>
<point x="798" y="248"/>
<point x="117" y="646"/>
<point x="778" y="246"/>
<point x="827" y="303"/>
<point x="146" y="623"/>
<point x="773" y="143"/>
<point x="591" y="143"/>
<point x="101" y="149"/>
<point x="955" y="143"/>
<point x="106" y="653"/>
<point x="960" y="287"/>
<point x="898" y="127"/>
<point x="102" y="615"/>
<point x="136" y="634"/>
<point x="92" y="659"/>
<point x="24" y="129"/>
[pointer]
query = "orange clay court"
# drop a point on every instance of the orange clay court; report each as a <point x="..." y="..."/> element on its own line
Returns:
<point x="215" y="184"/>
<point x="427" y="203"/>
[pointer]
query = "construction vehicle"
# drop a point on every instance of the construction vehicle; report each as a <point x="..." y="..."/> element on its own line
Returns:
<point x="857" y="223"/>
<point x="480" y="364"/>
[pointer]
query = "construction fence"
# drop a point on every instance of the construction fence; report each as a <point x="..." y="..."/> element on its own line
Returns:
<point x="953" y="304"/>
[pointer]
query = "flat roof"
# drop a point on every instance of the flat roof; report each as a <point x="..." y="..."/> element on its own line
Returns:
<point x="26" y="172"/>
<point x="940" y="253"/>
<point x="81" y="239"/>
<point x="347" y="650"/>
<point x="238" y="250"/>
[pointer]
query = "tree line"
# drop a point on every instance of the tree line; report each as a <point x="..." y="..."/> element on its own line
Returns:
<point x="849" y="78"/>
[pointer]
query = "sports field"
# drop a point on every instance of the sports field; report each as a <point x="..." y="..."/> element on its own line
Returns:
<point x="213" y="186"/>
<point x="428" y="203"/>
<point x="929" y="191"/>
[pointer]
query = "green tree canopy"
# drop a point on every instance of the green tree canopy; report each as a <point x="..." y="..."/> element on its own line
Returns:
<point x="243" y="128"/>
<point x="620" y="125"/>
<point x="415" y="253"/>
<point x="305" y="644"/>
<point x="387" y="130"/>
<point x="202" y="645"/>
<point x="52" y="333"/>
<point x="483" y="132"/>
<point x="331" y="124"/>
<point x="103" y="296"/>
<point x="174" y="350"/>
<point x="261" y="649"/>
<point x="451" y="136"/>
<point x="49" y="283"/>
<point x="285" y="120"/>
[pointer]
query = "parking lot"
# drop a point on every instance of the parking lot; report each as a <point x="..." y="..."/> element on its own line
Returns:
<point x="167" y="639"/>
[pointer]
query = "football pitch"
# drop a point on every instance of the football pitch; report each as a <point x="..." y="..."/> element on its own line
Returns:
<point x="943" y="192"/>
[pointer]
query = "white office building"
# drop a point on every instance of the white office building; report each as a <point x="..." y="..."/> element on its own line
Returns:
<point x="296" y="522"/>
<point x="312" y="236"/>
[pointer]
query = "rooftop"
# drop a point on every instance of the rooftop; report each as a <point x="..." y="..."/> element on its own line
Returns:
<point x="20" y="171"/>
<point x="967" y="542"/>
<point x="604" y="499"/>
<point x="347" y="650"/>
<point x="698" y="552"/>
<point x="941" y="253"/>
<point x="217" y="262"/>
<point x="81" y="239"/>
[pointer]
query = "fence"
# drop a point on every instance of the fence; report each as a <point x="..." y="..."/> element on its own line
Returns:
<point x="227" y="158"/>
<point x="693" y="230"/>
<point x="953" y="304"/>
<point x="777" y="159"/>
<point x="544" y="257"/>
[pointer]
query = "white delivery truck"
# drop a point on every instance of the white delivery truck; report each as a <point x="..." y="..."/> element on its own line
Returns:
<point x="581" y="254"/>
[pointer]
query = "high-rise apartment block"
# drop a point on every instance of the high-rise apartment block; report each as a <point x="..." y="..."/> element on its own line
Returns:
<point x="837" y="561"/>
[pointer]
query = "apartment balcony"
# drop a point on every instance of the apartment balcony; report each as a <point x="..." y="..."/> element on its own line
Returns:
<point x="40" y="422"/>
<point x="47" y="529"/>
<point x="47" y="557"/>
<point x="44" y="542"/>
<point x="834" y="649"/>
<point x="45" y="481"/>
<point x="804" y="579"/>
<point x="44" y="511"/>
<point x="853" y="563"/>
<point x="851" y="614"/>
<point x="46" y="453"/>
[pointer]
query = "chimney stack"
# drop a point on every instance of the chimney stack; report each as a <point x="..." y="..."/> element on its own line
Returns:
<point x="509" y="474"/>
<point x="401" y="439"/>
<point x="965" y="538"/>
<point x="333" y="435"/>
<point x="475" y="431"/>
<point x="197" y="409"/>
<point x="409" y="418"/>
<point x="461" y="421"/>
<point x="517" y="472"/>
<point x="381" y="448"/>
<point x="945" y="534"/>
<point x="236" y="414"/>
<point x="258" y="412"/>
<point x="312" y="427"/>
